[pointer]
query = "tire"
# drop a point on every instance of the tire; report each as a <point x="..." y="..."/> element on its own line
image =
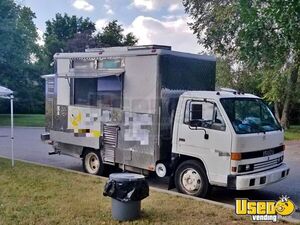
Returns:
<point x="191" y="179"/>
<point x="92" y="162"/>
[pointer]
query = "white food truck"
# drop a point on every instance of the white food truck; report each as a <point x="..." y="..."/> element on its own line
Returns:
<point x="149" y="109"/>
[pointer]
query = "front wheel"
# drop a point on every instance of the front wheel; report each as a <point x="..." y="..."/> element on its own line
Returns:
<point x="191" y="179"/>
<point x="92" y="162"/>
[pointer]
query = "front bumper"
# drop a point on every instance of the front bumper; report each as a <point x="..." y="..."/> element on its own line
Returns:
<point x="257" y="180"/>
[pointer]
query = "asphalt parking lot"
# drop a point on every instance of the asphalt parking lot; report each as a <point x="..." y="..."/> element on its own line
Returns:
<point x="29" y="147"/>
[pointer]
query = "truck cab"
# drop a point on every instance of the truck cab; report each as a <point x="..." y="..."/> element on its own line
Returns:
<point x="227" y="139"/>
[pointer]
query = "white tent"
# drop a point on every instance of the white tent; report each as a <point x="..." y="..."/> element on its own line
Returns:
<point x="8" y="94"/>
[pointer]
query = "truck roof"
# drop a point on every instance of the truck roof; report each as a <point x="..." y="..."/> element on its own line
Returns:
<point x="217" y="94"/>
<point x="128" y="51"/>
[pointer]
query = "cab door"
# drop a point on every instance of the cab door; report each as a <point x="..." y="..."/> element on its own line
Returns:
<point x="203" y="133"/>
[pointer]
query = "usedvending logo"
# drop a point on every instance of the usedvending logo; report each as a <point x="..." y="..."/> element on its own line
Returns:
<point x="260" y="210"/>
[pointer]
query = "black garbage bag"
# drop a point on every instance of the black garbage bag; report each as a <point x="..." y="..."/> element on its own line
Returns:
<point x="126" y="191"/>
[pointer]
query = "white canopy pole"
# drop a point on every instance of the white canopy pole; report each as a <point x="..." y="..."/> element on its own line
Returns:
<point x="12" y="129"/>
<point x="8" y="94"/>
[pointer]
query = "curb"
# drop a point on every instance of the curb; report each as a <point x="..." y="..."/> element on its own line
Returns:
<point x="225" y="205"/>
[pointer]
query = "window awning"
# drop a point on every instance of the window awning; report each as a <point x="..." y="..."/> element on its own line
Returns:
<point x="46" y="76"/>
<point x="76" y="73"/>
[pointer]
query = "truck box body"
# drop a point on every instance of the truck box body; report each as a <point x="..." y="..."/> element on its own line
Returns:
<point x="122" y="101"/>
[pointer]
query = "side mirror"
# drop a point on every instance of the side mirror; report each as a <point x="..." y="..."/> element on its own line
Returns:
<point x="206" y="136"/>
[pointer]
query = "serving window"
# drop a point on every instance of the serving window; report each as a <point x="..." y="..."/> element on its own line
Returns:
<point x="109" y="91"/>
<point x="85" y="91"/>
<point x="101" y="91"/>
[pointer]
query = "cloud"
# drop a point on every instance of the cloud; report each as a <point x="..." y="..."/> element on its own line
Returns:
<point x="174" y="7"/>
<point x="83" y="5"/>
<point x="174" y="32"/>
<point x="149" y="5"/>
<point x="143" y="4"/>
<point x="101" y="23"/>
<point x="109" y="9"/>
<point x="110" y="12"/>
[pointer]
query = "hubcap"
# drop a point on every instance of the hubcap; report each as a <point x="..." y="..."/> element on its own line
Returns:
<point x="92" y="163"/>
<point x="191" y="180"/>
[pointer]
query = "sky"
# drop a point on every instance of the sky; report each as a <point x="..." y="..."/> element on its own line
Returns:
<point x="161" y="22"/>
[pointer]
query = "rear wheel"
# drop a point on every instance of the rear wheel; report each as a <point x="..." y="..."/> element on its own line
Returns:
<point x="191" y="179"/>
<point x="92" y="162"/>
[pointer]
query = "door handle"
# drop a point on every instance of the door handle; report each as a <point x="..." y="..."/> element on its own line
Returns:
<point x="182" y="139"/>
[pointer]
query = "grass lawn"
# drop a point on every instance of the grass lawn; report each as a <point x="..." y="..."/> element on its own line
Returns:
<point x="26" y="120"/>
<point x="293" y="133"/>
<point x="31" y="194"/>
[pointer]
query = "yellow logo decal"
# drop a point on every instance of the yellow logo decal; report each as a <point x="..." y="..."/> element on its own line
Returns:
<point x="265" y="210"/>
<point x="76" y="119"/>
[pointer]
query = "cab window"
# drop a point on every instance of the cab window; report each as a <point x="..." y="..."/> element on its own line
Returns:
<point x="203" y="114"/>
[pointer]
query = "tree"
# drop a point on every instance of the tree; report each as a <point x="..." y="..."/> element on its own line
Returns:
<point x="67" y="33"/>
<point x="112" y="35"/>
<point x="224" y="74"/>
<point x="17" y="34"/>
<point x="80" y="42"/>
<point x="72" y="34"/>
<point x="18" y="47"/>
<point x="261" y="35"/>
<point x="236" y="78"/>
<point x="129" y="40"/>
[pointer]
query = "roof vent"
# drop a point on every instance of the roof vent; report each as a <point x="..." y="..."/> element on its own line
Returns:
<point x="231" y="91"/>
<point x="228" y="90"/>
<point x="144" y="47"/>
<point x="108" y="49"/>
<point x="129" y="48"/>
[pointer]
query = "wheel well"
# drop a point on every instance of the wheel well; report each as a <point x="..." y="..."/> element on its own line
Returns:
<point x="85" y="149"/>
<point x="183" y="158"/>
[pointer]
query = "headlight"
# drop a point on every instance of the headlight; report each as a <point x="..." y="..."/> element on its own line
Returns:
<point x="245" y="168"/>
<point x="280" y="159"/>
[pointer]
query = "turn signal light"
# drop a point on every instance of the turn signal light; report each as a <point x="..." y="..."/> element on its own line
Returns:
<point x="236" y="156"/>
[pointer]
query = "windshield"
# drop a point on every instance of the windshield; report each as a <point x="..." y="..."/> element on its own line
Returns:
<point x="249" y="115"/>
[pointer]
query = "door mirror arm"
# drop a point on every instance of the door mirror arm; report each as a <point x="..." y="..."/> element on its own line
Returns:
<point x="206" y="136"/>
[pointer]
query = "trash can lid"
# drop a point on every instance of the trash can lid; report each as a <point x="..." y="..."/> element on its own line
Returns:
<point x="126" y="177"/>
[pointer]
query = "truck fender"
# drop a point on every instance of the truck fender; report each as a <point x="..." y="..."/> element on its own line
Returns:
<point x="177" y="159"/>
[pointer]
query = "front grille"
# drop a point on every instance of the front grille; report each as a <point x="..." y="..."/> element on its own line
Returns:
<point x="269" y="163"/>
<point x="260" y="165"/>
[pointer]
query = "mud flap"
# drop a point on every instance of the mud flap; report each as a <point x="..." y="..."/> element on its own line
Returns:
<point x="171" y="182"/>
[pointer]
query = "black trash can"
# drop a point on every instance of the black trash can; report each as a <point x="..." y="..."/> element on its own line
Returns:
<point x="126" y="190"/>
